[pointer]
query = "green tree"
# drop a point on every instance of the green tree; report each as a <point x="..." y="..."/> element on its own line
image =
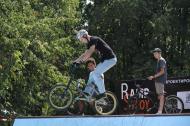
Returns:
<point x="36" y="47"/>
<point x="134" y="27"/>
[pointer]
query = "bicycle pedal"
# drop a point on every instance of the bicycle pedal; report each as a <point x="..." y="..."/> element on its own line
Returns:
<point x="80" y="98"/>
<point x="92" y="99"/>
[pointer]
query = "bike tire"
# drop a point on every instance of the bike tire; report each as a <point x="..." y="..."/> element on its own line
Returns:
<point x="107" y="105"/>
<point x="60" y="98"/>
<point x="173" y="104"/>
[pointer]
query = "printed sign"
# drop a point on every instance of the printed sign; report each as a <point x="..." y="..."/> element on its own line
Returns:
<point x="128" y="89"/>
<point x="185" y="97"/>
<point x="174" y="86"/>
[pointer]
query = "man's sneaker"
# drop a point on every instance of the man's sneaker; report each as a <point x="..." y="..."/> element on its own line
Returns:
<point x="103" y="95"/>
<point x="159" y="113"/>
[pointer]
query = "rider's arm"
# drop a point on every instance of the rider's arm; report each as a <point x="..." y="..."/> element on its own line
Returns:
<point x="86" y="54"/>
<point x="79" y="59"/>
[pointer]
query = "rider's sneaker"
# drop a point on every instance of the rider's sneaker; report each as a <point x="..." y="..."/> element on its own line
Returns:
<point x="103" y="95"/>
<point x="82" y="97"/>
<point x="86" y="97"/>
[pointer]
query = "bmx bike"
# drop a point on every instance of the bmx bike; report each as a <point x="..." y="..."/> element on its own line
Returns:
<point x="65" y="97"/>
<point x="7" y="114"/>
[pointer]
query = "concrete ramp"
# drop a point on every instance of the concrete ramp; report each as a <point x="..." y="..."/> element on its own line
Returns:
<point x="120" y="120"/>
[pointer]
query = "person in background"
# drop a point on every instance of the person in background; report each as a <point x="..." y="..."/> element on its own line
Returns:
<point x="160" y="77"/>
<point x="91" y="66"/>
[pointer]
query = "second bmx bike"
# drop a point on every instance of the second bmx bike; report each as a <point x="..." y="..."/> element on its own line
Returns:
<point x="172" y="104"/>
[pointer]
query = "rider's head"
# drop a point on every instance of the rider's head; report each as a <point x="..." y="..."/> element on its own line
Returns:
<point x="82" y="35"/>
<point x="91" y="64"/>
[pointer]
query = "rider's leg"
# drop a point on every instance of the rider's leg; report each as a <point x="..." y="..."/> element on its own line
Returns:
<point x="91" y="84"/>
<point x="100" y="70"/>
<point x="90" y="81"/>
<point x="99" y="82"/>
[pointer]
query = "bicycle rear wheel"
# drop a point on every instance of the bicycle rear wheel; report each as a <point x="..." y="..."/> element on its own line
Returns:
<point x="107" y="105"/>
<point x="60" y="98"/>
<point x="173" y="104"/>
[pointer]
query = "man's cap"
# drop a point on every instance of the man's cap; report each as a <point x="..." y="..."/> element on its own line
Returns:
<point x="156" y="50"/>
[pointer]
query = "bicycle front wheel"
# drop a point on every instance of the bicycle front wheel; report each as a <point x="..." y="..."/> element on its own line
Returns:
<point x="107" y="105"/>
<point x="60" y="97"/>
<point x="173" y="104"/>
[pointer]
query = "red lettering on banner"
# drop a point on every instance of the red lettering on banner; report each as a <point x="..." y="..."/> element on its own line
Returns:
<point x="125" y="98"/>
<point x="144" y="104"/>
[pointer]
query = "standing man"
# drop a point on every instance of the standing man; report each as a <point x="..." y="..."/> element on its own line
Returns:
<point x="160" y="77"/>
<point x="108" y="57"/>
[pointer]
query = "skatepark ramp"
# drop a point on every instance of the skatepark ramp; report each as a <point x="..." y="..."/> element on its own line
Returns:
<point x="115" y="120"/>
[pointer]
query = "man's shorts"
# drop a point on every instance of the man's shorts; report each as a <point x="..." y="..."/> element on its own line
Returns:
<point x="159" y="88"/>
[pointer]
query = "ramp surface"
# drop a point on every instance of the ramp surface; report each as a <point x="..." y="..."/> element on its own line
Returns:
<point x="122" y="120"/>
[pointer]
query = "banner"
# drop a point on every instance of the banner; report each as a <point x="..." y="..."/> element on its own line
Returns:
<point x="185" y="97"/>
<point x="175" y="86"/>
<point x="127" y="89"/>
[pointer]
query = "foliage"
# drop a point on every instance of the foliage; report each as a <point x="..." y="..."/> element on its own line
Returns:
<point x="37" y="43"/>
<point x="134" y="27"/>
<point x="36" y="47"/>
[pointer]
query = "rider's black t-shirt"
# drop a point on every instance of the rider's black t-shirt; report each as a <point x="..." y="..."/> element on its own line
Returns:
<point x="100" y="45"/>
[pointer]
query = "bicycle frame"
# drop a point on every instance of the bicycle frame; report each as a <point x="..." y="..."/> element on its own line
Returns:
<point x="79" y="90"/>
<point x="142" y="92"/>
<point x="72" y="76"/>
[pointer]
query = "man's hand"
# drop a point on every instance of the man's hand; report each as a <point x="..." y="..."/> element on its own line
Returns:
<point x="150" y="77"/>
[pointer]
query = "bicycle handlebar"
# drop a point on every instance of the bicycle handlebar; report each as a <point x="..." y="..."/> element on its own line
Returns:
<point x="75" y="64"/>
<point x="73" y="67"/>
